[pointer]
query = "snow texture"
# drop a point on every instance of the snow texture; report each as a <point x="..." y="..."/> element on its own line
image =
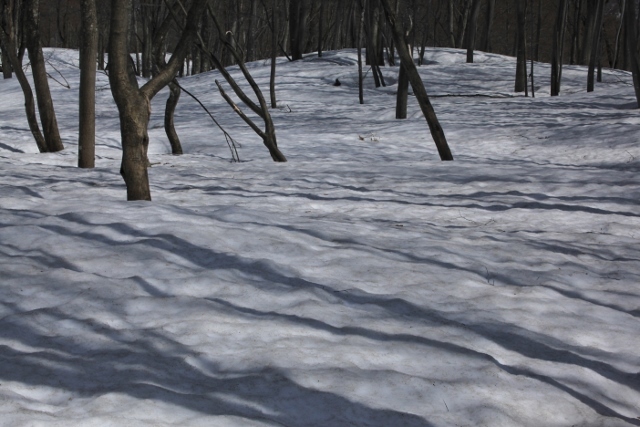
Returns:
<point x="363" y="283"/>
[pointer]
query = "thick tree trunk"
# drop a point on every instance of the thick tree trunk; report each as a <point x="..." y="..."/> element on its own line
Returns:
<point x="558" y="47"/>
<point x="7" y="70"/>
<point x="416" y="82"/>
<point x="402" y="97"/>
<point x="134" y="105"/>
<point x="88" y="52"/>
<point x="40" y="79"/>
<point x="632" y="45"/>
<point x="298" y="15"/>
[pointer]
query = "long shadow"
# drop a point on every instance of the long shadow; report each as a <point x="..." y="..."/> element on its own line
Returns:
<point x="381" y="336"/>
<point x="513" y="338"/>
<point x="148" y="365"/>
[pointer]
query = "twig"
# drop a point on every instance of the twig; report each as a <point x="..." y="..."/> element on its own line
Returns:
<point x="67" y="85"/>
<point x="230" y="141"/>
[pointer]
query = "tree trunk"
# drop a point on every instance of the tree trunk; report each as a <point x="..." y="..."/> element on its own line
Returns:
<point x="88" y="52"/>
<point x="8" y="40"/>
<point x="558" y="47"/>
<point x="320" y="28"/>
<point x="595" y="45"/>
<point x="7" y="72"/>
<point x="40" y="79"/>
<point x="486" y="40"/>
<point x="632" y="45"/>
<point x="360" y="28"/>
<point x="298" y="15"/>
<point x="416" y="82"/>
<point x="169" y="126"/>
<point x="274" y="52"/>
<point x="471" y="30"/>
<point x="134" y="105"/>
<point x="521" y="53"/>
<point x="402" y="97"/>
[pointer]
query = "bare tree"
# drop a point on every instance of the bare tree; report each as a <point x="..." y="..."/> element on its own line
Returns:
<point x="88" y="54"/>
<point x="416" y="82"/>
<point x="558" y="47"/>
<point x="40" y="79"/>
<point x="521" y="61"/>
<point x="7" y="36"/>
<point x="471" y="30"/>
<point x="596" y="31"/>
<point x="631" y="30"/>
<point x="134" y="104"/>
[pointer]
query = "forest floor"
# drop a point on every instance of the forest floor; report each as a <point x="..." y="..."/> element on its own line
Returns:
<point x="362" y="283"/>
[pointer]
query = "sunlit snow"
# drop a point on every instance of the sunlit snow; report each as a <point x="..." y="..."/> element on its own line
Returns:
<point x="363" y="283"/>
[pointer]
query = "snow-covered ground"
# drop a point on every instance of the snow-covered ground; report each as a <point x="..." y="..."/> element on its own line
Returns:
<point x="363" y="283"/>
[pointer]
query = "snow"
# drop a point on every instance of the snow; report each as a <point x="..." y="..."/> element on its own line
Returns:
<point x="363" y="283"/>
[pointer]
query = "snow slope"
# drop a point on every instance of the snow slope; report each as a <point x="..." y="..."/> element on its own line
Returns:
<point x="363" y="283"/>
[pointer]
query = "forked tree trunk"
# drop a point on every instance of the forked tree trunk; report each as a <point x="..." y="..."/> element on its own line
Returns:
<point x="8" y="40"/>
<point x="88" y="52"/>
<point x="134" y="104"/>
<point x="40" y="79"/>
<point x="416" y="82"/>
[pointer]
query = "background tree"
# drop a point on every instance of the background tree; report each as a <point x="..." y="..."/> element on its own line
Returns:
<point x="40" y="79"/>
<point x="416" y="82"/>
<point x="558" y="47"/>
<point x="88" y="55"/>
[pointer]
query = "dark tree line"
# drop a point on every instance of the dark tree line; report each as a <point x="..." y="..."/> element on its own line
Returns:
<point x="200" y="35"/>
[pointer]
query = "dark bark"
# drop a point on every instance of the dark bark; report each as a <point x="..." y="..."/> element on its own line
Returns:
<point x="521" y="52"/>
<point x="558" y="47"/>
<point x="403" y="94"/>
<point x="7" y="70"/>
<point x="359" y="42"/>
<point x="8" y="40"/>
<point x="261" y="109"/>
<point x="632" y="45"/>
<point x="274" y="54"/>
<point x="595" y="44"/>
<point x="88" y="52"/>
<point x="298" y="16"/>
<point x="471" y="30"/>
<point x="40" y="80"/>
<point x="133" y="103"/>
<point x="169" y="126"/>
<point x="416" y="82"/>
<point x="486" y="40"/>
